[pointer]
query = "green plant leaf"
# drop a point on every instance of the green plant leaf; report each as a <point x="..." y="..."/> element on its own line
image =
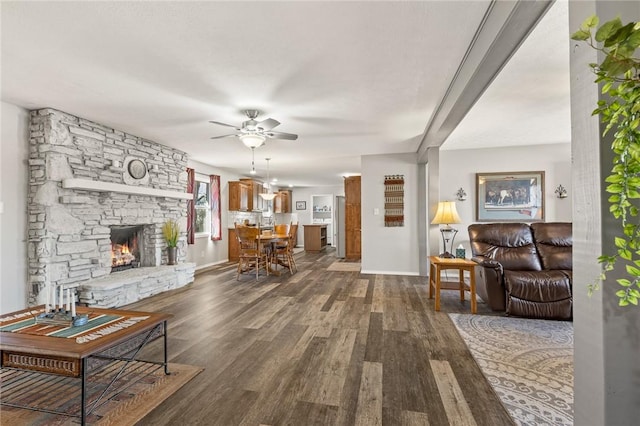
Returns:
<point x="632" y="270"/>
<point x="581" y="35"/>
<point x="620" y="242"/>
<point x="591" y="22"/>
<point x="624" y="282"/>
<point x="608" y="29"/>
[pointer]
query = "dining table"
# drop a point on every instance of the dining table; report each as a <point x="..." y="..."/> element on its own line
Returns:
<point x="267" y="241"/>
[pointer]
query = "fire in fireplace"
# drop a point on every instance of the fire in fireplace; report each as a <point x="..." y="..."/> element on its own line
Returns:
<point x="125" y="247"/>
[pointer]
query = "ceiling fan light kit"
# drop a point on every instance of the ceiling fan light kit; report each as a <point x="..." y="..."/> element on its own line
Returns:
<point x="252" y="140"/>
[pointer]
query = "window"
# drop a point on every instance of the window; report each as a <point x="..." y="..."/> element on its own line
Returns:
<point x="202" y="204"/>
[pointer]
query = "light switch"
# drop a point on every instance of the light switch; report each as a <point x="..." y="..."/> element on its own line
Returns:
<point x="376" y="212"/>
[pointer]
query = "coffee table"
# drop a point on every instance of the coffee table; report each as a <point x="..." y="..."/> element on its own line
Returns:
<point x="439" y="264"/>
<point x="59" y="356"/>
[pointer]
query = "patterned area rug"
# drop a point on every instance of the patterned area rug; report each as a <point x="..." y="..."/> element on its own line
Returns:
<point x="529" y="363"/>
<point x="140" y="392"/>
<point x="345" y="266"/>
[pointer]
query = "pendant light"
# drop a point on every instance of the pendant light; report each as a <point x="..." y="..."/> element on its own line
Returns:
<point x="269" y="195"/>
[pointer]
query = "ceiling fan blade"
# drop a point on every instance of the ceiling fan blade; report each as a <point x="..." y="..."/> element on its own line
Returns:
<point x="223" y="136"/>
<point x="281" y="135"/>
<point x="223" y="124"/>
<point x="268" y="124"/>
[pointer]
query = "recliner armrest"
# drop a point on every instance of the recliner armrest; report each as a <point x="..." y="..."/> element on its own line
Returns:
<point x="487" y="263"/>
<point x="490" y="282"/>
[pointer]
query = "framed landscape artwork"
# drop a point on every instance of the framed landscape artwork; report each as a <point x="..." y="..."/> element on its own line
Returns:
<point x="510" y="197"/>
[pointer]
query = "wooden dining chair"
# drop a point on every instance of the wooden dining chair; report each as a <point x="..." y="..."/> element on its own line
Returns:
<point x="281" y="228"/>
<point x="252" y="256"/>
<point x="284" y="249"/>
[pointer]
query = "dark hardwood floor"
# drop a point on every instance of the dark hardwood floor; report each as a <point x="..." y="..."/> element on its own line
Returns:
<point x="320" y="348"/>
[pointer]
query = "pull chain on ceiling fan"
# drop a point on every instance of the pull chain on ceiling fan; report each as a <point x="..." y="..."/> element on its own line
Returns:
<point x="253" y="157"/>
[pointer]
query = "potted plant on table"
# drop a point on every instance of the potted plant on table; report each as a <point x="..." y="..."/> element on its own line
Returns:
<point x="171" y="233"/>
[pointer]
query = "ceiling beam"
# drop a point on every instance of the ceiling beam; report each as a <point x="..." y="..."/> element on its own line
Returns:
<point x="504" y="27"/>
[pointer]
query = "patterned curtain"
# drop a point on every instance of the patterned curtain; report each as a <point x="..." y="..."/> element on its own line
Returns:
<point x="216" y="222"/>
<point x="191" y="208"/>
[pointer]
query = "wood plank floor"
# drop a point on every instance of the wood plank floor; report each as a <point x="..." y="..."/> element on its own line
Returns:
<point x="320" y="348"/>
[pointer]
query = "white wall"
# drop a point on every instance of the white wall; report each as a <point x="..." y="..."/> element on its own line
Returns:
<point x="304" y="194"/>
<point x="458" y="169"/>
<point x="206" y="252"/>
<point x="392" y="250"/>
<point x="14" y="153"/>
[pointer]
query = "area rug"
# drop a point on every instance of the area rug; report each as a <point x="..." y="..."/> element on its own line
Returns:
<point x="140" y="396"/>
<point x="529" y="364"/>
<point x="345" y="267"/>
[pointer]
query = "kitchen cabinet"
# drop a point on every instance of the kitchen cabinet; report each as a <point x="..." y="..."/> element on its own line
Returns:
<point x="256" y="203"/>
<point x="234" y="246"/>
<point x="282" y="202"/>
<point x="238" y="196"/>
<point x="315" y="238"/>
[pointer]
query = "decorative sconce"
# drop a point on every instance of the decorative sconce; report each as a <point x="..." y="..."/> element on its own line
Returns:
<point x="561" y="192"/>
<point x="461" y="194"/>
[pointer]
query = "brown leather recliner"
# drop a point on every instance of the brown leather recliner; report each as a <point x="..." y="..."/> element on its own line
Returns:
<point x="525" y="270"/>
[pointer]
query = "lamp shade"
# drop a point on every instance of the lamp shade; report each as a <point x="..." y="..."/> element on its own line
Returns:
<point x="446" y="213"/>
<point x="252" y="140"/>
<point x="268" y="196"/>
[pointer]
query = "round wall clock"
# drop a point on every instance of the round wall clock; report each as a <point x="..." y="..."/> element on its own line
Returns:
<point x="137" y="169"/>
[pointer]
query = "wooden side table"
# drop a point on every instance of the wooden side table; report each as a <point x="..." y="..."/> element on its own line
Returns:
<point x="439" y="264"/>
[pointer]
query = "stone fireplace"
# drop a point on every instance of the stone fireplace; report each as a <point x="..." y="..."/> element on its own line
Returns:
<point x="84" y="197"/>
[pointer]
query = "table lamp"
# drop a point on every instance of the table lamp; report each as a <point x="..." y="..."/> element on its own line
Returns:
<point x="445" y="215"/>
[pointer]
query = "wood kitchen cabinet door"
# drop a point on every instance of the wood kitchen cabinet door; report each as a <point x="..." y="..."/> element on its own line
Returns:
<point x="353" y="219"/>
<point x="255" y="189"/>
<point x="234" y="246"/>
<point x="238" y="196"/>
<point x="282" y="202"/>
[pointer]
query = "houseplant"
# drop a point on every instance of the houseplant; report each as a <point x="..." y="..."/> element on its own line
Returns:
<point x="619" y="76"/>
<point x="171" y="233"/>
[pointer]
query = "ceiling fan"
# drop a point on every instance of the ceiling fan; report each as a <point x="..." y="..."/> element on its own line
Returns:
<point x="254" y="133"/>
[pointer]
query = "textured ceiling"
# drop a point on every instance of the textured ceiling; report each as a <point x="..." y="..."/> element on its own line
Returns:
<point x="350" y="78"/>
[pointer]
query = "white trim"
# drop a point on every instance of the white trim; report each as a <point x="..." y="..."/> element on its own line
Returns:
<point x="199" y="235"/>
<point x="208" y="265"/>
<point x="409" y="274"/>
<point x="94" y="185"/>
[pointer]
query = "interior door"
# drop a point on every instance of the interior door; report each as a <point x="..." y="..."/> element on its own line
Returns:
<point x="353" y="250"/>
<point x="340" y="226"/>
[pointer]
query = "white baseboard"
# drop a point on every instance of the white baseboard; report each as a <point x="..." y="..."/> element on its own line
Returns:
<point x="208" y="265"/>
<point x="409" y="274"/>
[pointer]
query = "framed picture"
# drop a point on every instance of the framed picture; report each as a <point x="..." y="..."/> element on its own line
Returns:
<point x="510" y="197"/>
<point x="301" y="205"/>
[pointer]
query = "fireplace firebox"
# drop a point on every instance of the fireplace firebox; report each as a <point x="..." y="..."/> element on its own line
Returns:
<point x="126" y="242"/>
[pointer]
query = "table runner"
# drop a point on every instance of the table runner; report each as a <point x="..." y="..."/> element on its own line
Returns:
<point x="98" y="325"/>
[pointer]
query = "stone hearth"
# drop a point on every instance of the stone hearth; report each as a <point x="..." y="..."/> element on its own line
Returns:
<point x="79" y="187"/>
<point x="128" y="286"/>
